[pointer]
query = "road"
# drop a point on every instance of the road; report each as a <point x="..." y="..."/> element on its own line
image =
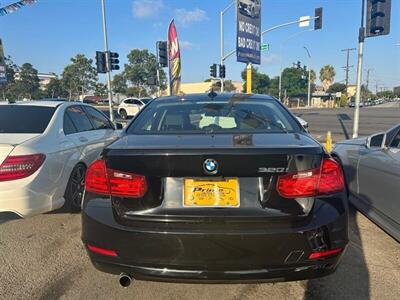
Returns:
<point x="340" y="121"/>
<point x="43" y="258"/>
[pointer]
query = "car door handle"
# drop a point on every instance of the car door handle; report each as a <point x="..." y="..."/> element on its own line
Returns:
<point x="83" y="139"/>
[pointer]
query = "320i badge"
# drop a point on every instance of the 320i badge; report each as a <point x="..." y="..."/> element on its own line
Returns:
<point x="215" y="188"/>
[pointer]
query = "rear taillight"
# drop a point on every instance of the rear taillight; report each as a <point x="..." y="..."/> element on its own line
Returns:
<point x="101" y="180"/>
<point x="102" y="251"/>
<point x="326" y="253"/>
<point x="20" y="166"/>
<point x="328" y="179"/>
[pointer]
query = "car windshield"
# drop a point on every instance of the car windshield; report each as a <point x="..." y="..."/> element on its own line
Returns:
<point x="226" y="115"/>
<point x="24" y="118"/>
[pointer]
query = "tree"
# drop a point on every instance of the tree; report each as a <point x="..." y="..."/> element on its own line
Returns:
<point x="80" y="76"/>
<point x="337" y="88"/>
<point x="228" y="86"/>
<point x="100" y="90"/>
<point x="313" y="76"/>
<point x="119" y="84"/>
<point x="295" y="82"/>
<point x="260" y="81"/>
<point x="55" y="89"/>
<point x="385" y="94"/>
<point x="327" y="76"/>
<point x="365" y="92"/>
<point x="7" y="90"/>
<point x="27" y="84"/>
<point x="141" y="67"/>
<point x="274" y="87"/>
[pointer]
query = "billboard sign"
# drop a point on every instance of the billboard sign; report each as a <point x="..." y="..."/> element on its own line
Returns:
<point x="248" y="40"/>
<point x="3" y="74"/>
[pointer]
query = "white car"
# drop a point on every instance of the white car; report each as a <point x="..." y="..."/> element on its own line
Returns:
<point x="45" y="147"/>
<point x="131" y="106"/>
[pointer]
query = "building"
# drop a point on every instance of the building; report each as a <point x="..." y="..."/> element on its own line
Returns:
<point x="204" y="87"/>
<point x="44" y="78"/>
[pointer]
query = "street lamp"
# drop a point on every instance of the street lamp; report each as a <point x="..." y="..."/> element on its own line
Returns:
<point x="282" y="44"/>
<point x="309" y="77"/>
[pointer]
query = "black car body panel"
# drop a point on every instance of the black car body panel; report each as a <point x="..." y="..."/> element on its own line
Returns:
<point x="267" y="238"/>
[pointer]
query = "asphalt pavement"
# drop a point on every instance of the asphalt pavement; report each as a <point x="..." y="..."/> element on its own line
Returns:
<point x="43" y="258"/>
<point x="339" y="121"/>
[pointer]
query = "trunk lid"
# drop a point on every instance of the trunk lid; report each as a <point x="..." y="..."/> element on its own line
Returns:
<point x="181" y="156"/>
<point x="9" y="141"/>
<point x="255" y="160"/>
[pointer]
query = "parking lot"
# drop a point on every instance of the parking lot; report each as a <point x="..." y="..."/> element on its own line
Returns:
<point x="43" y="258"/>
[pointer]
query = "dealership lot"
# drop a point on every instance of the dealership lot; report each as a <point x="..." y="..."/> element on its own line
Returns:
<point x="43" y="258"/>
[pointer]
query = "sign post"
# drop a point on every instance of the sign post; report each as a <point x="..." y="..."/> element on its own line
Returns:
<point x="248" y="42"/>
<point x="3" y="74"/>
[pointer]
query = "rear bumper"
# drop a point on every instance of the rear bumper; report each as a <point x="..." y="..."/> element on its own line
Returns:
<point x="22" y="198"/>
<point x="269" y="253"/>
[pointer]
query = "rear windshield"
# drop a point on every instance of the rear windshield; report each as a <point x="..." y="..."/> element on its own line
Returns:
<point x="24" y="118"/>
<point x="230" y="115"/>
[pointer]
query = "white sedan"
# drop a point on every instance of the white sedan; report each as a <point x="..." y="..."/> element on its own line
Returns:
<point x="131" y="106"/>
<point x="45" y="147"/>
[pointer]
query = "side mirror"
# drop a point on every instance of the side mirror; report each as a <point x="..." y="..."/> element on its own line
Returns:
<point x="376" y="140"/>
<point x="118" y="126"/>
<point x="303" y="123"/>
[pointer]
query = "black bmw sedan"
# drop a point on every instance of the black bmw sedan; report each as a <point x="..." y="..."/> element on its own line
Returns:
<point x="215" y="188"/>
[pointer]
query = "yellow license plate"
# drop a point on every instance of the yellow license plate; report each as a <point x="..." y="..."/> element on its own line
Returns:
<point x="211" y="193"/>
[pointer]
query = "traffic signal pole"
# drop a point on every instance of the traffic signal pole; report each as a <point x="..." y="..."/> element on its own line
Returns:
<point x="361" y="38"/>
<point x="110" y="97"/>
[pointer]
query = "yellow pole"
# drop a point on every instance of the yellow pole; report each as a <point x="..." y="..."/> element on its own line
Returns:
<point x="248" y="79"/>
<point x="328" y="144"/>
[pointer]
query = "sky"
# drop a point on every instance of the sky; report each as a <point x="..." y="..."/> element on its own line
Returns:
<point x="48" y="33"/>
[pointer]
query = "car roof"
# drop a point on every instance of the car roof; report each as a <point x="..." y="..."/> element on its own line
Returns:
<point x="45" y="103"/>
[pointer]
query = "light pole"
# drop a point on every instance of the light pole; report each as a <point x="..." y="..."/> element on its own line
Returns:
<point x="309" y="78"/>
<point x="110" y="104"/>
<point x="361" y="38"/>
<point x="222" y="39"/>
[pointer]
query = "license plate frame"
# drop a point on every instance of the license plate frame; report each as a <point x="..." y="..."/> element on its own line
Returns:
<point x="209" y="183"/>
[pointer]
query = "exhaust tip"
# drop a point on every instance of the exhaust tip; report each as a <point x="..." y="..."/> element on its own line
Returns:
<point x="125" y="280"/>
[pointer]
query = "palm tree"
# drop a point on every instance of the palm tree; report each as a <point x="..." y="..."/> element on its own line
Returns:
<point x="327" y="76"/>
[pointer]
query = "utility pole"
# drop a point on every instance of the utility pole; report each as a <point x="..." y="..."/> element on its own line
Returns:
<point x="361" y="38"/>
<point x="347" y="67"/>
<point x="368" y="72"/>
<point x="108" y="61"/>
<point x="309" y="78"/>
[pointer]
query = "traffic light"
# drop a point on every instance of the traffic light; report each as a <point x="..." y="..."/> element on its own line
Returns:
<point x="213" y="70"/>
<point x="318" y="20"/>
<point x="101" y="62"/>
<point x="298" y="65"/>
<point x="114" y="61"/>
<point x="378" y="17"/>
<point x="162" y="54"/>
<point x="222" y="70"/>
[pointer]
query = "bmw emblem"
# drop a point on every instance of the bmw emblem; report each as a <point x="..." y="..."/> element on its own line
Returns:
<point x="210" y="166"/>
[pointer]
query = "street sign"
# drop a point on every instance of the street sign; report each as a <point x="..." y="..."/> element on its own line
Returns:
<point x="248" y="32"/>
<point x="264" y="47"/>
<point x="3" y="74"/>
<point x="304" y="21"/>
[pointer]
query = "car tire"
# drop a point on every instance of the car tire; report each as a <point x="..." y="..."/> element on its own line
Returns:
<point x="75" y="188"/>
<point x="123" y="114"/>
